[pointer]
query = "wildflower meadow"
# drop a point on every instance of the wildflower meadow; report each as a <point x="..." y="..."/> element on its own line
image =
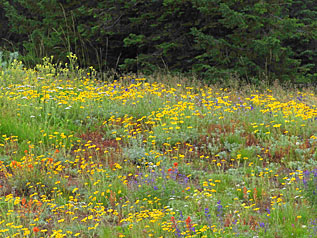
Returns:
<point x="153" y="156"/>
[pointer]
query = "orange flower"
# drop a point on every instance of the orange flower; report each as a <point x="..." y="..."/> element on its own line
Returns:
<point x="14" y="163"/>
<point x="56" y="151"/>
<point x="30" y="166"/>
<point x="36" y="229"/>
<point x="23" y="201"/>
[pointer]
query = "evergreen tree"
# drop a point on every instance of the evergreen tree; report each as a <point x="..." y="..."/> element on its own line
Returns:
<point x="217" y="39"/>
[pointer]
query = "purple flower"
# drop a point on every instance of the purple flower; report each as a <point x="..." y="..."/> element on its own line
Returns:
<point x="220" y="211"/>
<point x="262" y="225"/>
<point x="206" y="210"/>
<point x="178" y="232"/>
<point x="219" y="208"/>
<point x="306" y="173"/>
<point x="181" y="214"/>
<point x="207" y="213"/>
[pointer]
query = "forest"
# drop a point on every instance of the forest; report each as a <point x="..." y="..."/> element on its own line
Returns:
<point x="216" y="40"/>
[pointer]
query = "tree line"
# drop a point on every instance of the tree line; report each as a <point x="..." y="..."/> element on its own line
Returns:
<point x="215" y="39"/>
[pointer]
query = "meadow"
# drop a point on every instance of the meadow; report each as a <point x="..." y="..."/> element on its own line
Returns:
<point x="153" y="157"/>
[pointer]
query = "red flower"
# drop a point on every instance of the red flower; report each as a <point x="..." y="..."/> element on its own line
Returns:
<point x="169" y="170"/>
<point x="188" y="222"/>
<point x="173" y="221"/>
<point x="175" y="164"/>
<point x="36" y="229"/>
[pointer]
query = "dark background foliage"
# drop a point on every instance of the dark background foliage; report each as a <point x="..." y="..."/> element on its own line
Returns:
<point x="217" y="40"/>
